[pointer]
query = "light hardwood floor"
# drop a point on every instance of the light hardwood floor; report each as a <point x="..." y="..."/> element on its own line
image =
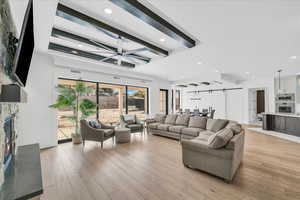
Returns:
<point x="150" y="167"/>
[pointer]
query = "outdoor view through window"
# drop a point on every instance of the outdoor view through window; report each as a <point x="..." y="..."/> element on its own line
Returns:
<point x="112" y="101"/>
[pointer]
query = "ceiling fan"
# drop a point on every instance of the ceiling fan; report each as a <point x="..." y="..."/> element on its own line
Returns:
<point x="120" y="53"/>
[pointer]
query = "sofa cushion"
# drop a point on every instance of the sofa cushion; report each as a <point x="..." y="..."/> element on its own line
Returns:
<point x="176" y="129"/>
<point x="198" y="122"/>
<point x="108" y="132"/>
<point x="153" y="125"/>
<point x="220" y="139"/>
<point x="160" y="118"/>
<point x="204" y="135"/>
<point x="171" y="119"/>
<point x="182" y="120"/>
<point x="235" y="127"/>
<point x="163" y="127"/>
<point x="202" y="147"/>
<point x="134" y="126"/>
<point x="216" y="124"/>
<point x="191" y="131"/>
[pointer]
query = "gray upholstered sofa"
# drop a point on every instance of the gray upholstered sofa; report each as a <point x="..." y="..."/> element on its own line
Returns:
<point x="212" y="145"/>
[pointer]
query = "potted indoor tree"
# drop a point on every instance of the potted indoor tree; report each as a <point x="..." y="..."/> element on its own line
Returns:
<point x="71" y="97"/>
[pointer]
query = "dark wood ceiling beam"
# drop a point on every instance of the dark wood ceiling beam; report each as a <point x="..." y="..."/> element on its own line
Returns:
<point x="148" y="16"/>
<point x="102" y="25"/>
<point x="77" y="52"/>
<point x="57" y="33"/>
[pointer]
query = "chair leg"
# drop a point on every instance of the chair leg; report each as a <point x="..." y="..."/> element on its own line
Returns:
<point x="101" y="144"/>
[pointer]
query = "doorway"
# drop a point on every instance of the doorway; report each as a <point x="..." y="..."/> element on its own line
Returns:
<point x="164" y="101"/>
<point x="257" y="105"/>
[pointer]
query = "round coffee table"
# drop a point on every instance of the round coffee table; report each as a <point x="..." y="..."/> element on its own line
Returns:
<point x="122" y="135"/>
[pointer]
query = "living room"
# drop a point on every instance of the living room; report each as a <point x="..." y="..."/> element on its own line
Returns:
<point x="149" y="99"/>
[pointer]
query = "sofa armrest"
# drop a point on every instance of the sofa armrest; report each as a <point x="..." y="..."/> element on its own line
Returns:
<point x="237" y="142"/>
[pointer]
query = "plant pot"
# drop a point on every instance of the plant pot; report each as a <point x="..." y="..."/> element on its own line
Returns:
<point x="76" y="139"/>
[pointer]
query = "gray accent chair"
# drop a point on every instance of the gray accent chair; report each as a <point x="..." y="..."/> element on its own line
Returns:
<point x="95" y="134"/>
<point x="135" y="126"/>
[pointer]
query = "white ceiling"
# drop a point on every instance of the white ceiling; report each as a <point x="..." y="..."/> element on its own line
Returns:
<point x="255" y="36"/>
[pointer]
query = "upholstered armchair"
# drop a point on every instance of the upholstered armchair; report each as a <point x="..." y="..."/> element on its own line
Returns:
<point x="96" y="134"/>
<point x="132" y="122"/>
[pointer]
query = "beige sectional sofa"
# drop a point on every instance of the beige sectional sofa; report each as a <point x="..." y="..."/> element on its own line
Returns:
<point x="212" y="145"/>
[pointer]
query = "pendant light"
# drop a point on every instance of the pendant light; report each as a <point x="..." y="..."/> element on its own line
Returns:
<point x="280" y="91"/>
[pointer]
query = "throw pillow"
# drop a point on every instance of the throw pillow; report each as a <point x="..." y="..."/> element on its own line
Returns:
<point x="198" y="122"/>
<point x="220" y="139"/>
<point x="160" y="118"/>
<point x="182" y="120"/>
<point x="216" y="124"/>
<point x="94" y="124"/>
<point x="171" y="119"/>
<point x="235" y="127"/>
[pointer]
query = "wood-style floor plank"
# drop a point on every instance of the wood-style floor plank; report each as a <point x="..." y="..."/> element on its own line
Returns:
<point x="150" y="168"/>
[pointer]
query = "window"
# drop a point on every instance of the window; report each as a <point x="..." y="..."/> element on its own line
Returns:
<point x="137" y="101"/>
<point x="163" y="101"/>
<point x="111" y="101"/>
<point x="66" y="126"/>
<point x="177" y="100"/>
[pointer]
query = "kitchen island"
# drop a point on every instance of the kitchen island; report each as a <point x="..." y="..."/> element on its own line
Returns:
<point x="281" y="122"/>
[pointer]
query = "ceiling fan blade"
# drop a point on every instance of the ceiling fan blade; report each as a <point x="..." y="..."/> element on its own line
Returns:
<point x="139" y="58"/>
<point x="102" y="46"/>
<point x="136" y="50"/>
<point x="99" y="51"/>
<point x="131" y="60"/>
<point x="107" y="58"/>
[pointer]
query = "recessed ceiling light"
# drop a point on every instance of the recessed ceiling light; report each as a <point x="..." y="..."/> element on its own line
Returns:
<point x="75" y="52"/>
<point x="79" y="45"/>
<point x="247" y="72"/>
<point x="199" y="63"/>
<point x="108" y="11"/>
<point x="217" y="71"/>
<point x="293" y="57"/>
<point x="162" y="39"/>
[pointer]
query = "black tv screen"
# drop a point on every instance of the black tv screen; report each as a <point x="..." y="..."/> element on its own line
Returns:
<point x="25" y="47"/>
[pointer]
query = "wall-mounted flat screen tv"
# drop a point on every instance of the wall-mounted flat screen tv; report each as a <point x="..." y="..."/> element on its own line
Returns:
<point x="25" y="47"/>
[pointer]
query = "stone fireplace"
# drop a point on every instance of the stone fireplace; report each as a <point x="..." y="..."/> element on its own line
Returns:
<point x="9" y="140"/>
<point x="8" y="111"/>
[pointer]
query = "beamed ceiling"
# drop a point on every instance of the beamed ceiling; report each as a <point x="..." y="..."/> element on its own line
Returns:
<point x="80" y="33"/>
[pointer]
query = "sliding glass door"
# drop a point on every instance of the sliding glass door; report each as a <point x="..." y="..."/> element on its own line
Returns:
<point x="112" y="102"/>
<point x="164" y="101"/>
<point x="66" y="126"/>
<point x="137" y="98"/>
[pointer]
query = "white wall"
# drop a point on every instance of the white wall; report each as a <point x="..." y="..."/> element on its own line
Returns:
<point x="38" y="123"/>
<point x="233" y="104"/>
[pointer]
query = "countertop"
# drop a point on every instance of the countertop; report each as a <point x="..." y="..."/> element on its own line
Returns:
<point x="282" y="114"/>
<point x="24" y="179"/>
